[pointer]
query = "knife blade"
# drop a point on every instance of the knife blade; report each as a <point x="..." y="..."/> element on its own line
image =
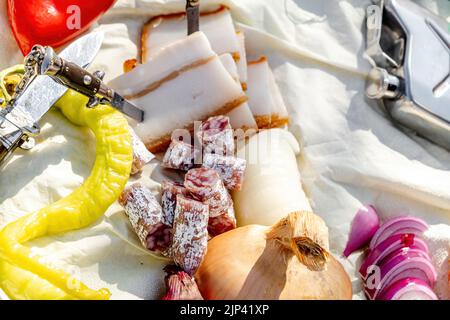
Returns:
<point x="43" y="92"/>
<point x="126" y="107"/>
<point x="193" y="15"/>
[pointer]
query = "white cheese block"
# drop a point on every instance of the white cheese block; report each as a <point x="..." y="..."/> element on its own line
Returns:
<point x="272" y="184"/>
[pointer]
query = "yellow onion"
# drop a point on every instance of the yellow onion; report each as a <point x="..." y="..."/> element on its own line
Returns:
<point x="289" y="260"/>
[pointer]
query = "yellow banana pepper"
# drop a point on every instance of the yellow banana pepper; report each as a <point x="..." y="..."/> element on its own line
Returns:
<point x="22" y="274"/>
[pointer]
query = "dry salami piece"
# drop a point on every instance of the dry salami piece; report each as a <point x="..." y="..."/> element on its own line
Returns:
<point x="141" y="156"/>
<point x="170" y="190"/>
<point x="180" y="285"/>
<point x="216" y="136"/>
<point x="230" y="169"/>
<point x="190" y="233"/>
<point x="205" y="185"/>
<point x="145" y="215"/>
<point x="223" y="223"/>
<point x="180" y="155"/>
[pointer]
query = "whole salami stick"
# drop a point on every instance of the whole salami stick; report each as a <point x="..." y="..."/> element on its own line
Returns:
<point x="146" y="218"/>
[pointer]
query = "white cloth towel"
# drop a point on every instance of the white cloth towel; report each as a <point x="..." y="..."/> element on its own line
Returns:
<point x="351" y="153"/>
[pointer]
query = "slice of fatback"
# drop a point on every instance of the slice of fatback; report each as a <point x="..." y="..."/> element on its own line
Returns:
<point x="264" y="97"/>
<point x="280" y="115"/>
<point x="165" y="29"/>
<point x="179" y="84"/>
<point x="259" y="98"/>
<point x="240" y="117"/>
<point x="242" y="62"/>
<point x="217" y="26"/>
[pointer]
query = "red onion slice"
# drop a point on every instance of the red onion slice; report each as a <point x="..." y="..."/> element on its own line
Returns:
<point x="398" y="225"/>
<point x="408" y="289"/>
<point x="391" y="244"/>
<point x="401" y="264"/>
<point x="364" y="225"/>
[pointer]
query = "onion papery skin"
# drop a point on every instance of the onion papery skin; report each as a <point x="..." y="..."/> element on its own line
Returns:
<point x="400" y="225"/>
<point x="401" y="264"/>
<point x="388" y="246"/>
<point x="241" y="264"/>
<point x="404" y="289"/>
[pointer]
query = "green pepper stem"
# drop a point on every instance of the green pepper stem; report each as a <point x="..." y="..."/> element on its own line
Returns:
<point x="17" y="69"/>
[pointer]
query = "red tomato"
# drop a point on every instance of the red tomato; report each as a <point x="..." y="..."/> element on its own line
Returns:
<point x="52" y="22"/>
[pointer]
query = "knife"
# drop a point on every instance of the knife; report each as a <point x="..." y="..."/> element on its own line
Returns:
<point x="19" y="120"/>
<point x="193" y="15"/>
<point x="91" y="85"/>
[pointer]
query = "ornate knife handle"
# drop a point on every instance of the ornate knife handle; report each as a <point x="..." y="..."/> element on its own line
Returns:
<point x="73" y="76"/>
